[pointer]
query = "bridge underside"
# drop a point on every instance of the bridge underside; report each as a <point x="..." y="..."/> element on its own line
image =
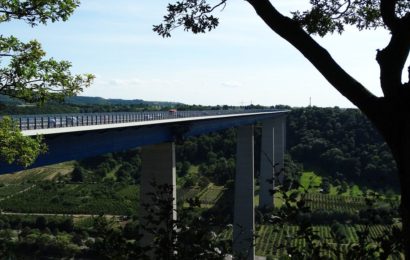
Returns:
<point x="79" y="145"/>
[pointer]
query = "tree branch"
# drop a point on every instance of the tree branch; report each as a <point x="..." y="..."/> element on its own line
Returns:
<point x="316" y="54"/>
<point x="341" y="14"/>
<point x="387" y="11"/>
<point x="392" y="59"/>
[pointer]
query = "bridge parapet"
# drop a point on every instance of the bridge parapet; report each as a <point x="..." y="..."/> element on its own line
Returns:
<point x="33" y="122"/>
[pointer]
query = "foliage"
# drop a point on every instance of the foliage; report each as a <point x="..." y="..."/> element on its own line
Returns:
<point x="11" y="189"/>
<point x="193" y="15"/>
<point x="188" y="237"/>
<point x="324" y="16"/>
<point x="297" y="209"/>
<point x="340" y="144"/>
<point x="35" y="12"/>
<point x="95" y="198"/>
<point x="25" y="74"/>
<point x="122" y="166"/>
<point x="78" y="174"/>
<point x="17" y="148"/>
<point x="389" y="111"/>
<point x="328" y="16"/>
<point x="30" y="78"/>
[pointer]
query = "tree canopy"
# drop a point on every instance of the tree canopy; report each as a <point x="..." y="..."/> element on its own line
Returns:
<point x="26" y="73"/>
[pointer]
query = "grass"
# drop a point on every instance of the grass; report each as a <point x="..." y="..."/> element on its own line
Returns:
<point x="313" y="182"/>
<point x="310" y="181"/>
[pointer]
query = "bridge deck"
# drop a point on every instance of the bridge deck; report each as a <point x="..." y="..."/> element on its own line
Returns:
<point x="183" y="118"/>
<point x="85" y="138"/>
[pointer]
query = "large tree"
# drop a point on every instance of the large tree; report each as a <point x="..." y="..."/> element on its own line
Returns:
<point x="26" y="73"/>
<point x="390" y="113"/>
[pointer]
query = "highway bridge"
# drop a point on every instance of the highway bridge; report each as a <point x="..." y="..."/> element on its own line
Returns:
<point x="78" y="136"/>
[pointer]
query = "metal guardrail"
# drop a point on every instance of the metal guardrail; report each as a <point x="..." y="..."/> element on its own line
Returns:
<point x="30" y="122"/>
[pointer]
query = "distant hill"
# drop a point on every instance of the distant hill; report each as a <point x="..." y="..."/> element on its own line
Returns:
<point x="84" y="100"/>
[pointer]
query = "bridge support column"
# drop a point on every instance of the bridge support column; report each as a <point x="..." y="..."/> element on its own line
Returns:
<point x="244" y="216"/>
<point x="158" y="175"/>
<point x="267" y="169"/>
<point x="272" y="159"/>
<point x="279" y="126"/>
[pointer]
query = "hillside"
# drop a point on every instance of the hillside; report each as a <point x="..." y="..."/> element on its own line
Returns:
<point x="78" y="104"/>
<point x="341" y="144"/>
<point x="333" y="210"/>
<point x="84" y="100"/>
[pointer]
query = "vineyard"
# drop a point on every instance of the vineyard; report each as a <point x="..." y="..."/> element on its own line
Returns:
<point x="40" y="191"/>
<point x="211" y="194"/>
<point x="75" y="198"/>
<point x="272" y="240"/>
<point x="207" y="196"/>
<point x="336" y="203"/>
<point x="38" y="174"/>
<point x="7" y="190"/>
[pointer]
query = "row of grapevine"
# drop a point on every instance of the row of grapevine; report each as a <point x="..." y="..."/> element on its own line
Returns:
<point x="187" y="193"/>
<point x="75" y="199"/>
<point x="317" y="201"/>
<point x="208" y="195"/>
<point x="211" y="195"/>
<point x="374" y="230"/>
<point x="12" y="189"/>
<point x="272" y="240"/>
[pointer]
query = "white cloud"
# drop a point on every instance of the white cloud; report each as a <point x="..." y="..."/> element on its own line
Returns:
<point x="231" y="84"/>
<point x="118" y="82"/>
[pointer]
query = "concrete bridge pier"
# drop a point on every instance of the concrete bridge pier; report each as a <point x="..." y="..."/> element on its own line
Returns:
<point x="158" y="176"/>
<point x="267" y="169"/>
<point x="244" y="215"/>
<point x="272" y="159"/>
<point x="279" y="126"/>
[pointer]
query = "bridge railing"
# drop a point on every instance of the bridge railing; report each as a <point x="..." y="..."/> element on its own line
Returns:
<point x="30" y="122"/>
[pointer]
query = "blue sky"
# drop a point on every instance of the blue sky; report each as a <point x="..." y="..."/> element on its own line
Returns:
<point x="242" y="61"/>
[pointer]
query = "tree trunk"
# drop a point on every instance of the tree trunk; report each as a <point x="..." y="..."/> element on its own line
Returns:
<point x="402" y="157"/>
<point x="404" y="173"/>
<point x="394" y="125"/>
<point x="390" y="114"/>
